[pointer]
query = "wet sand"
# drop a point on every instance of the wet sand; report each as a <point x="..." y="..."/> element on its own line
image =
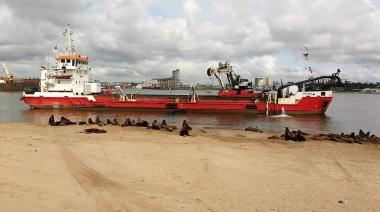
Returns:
<point x="134" y="169"/>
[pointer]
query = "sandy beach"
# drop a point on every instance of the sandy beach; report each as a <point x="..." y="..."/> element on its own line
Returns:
<point x="47" y="168"/>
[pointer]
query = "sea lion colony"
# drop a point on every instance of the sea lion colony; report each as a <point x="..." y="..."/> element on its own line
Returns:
<point x="300" y="136"/>
<point x="186" y="128"/>
<point x="294" y="135"/>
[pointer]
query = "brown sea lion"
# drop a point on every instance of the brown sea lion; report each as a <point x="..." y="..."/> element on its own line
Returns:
<point x="127" y="122"/>
<point x="288" y="135"/>
<point x="97" y="120"/>
<point x="185" y="129"/>
<point x="155" y="125"/>
<point x="352" y="135"/>
<point x="142" y="123"/>
<point x="299" y="136"/>
<point x="90" y="121"/>
<point x="115" y="122"/>
<point x="164" y="124"/>
<point x="361" y="134"/>
<point x="82" y="123"/>
<point x="65" y="121"/>
<point x="52" y="122"/>
<point x="94" y="130"/>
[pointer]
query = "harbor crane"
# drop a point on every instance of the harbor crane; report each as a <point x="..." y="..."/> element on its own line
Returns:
<point x="225" y="68"/>
<point x="7" y="74"/>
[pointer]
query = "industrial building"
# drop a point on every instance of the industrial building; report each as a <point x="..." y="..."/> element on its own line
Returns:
<point x="170" y="82"/>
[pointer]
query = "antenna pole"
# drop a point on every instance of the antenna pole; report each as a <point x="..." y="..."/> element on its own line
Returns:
<point x="307" y="66"/>
<point x="69" y="42"/>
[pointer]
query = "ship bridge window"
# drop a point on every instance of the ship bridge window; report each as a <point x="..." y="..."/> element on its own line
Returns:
<point x="67" y="61"/>
<point x="62" y="61"/>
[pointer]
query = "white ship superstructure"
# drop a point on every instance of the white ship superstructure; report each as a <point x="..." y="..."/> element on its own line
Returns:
<point x="69" y="73"/>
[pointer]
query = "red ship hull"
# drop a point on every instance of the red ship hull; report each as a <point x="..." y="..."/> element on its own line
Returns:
<point x="307" y="105"/>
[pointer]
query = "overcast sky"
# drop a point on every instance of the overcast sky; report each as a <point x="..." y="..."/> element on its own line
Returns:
<point x="135" y="40"/>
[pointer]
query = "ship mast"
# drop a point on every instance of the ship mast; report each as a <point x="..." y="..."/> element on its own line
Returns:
<point x="69" y="42"/>
<point x="307" y="65"/>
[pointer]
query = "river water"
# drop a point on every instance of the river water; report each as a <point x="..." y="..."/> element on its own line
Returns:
<point x="347" y="113"/>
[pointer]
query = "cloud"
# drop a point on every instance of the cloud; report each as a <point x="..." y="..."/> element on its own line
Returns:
<point x="136" y="40"/>
<point x="337" y="31"/>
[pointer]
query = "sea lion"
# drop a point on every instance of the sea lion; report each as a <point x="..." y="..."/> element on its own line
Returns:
<point x="185" y="129"/>
<point x="115" y="122"/>
<point x="167" y="127"/>
<point x="94" y="130"/>
<point x="90" y="121"/>
<point x="127" y="122"/>
<point x="65" y="121"/>
<point x="361" y="134"/>
<point x="142" y="123"/>
<point x="97" y="120"/>
<point x="164" y="124"/>
<point x="155" y="125"/>
<point x="367" y="134"/>
<point x="352" y="135"/>
<point x="138" y="122"/>
<point x="288" y="135"/>
<point x="82" y="123"/>
<point x="52" y="122"/>
<point x="299" y="136"/>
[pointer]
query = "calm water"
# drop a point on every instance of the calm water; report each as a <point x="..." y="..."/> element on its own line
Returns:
<point x="347" y="112"/>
